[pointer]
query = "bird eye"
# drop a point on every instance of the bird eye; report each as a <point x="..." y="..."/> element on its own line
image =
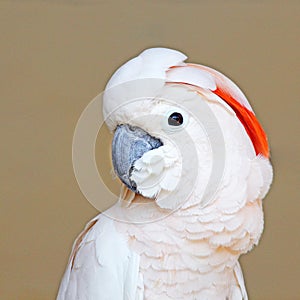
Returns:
<point x="175" y="119"/>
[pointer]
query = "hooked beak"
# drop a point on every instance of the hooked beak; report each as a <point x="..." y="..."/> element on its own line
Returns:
<point x="128" y="145"/>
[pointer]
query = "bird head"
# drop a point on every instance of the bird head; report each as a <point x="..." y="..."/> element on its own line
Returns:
<point x="181" y="131"/>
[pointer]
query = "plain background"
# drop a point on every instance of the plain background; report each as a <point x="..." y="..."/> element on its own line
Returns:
<point x="57" y="55"/>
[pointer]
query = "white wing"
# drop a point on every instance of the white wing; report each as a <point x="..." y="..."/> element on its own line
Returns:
<point x="101" y="265"/>
<point x="239" y="292"/>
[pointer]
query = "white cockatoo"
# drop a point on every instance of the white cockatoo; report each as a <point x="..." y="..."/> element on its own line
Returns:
<point x="194" y="163"/>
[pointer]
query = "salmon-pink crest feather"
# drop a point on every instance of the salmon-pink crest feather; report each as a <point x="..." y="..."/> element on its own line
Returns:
<point x="233" y="96"/>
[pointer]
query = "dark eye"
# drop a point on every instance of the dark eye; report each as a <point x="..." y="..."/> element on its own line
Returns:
<point x="175" y="119"/>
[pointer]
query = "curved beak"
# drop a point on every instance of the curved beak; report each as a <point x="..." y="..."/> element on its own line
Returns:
<point x="128" y="145"/>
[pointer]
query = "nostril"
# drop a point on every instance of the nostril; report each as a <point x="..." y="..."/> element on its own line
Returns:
<point x="131" y="128"/>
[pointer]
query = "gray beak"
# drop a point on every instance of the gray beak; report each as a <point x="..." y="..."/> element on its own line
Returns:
<point x="128" y="145"/>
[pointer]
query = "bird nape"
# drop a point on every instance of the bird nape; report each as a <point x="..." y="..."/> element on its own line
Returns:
<point x="194" y="165"/>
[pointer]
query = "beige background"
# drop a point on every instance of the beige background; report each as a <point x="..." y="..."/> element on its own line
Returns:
<point x="57" y="55"/>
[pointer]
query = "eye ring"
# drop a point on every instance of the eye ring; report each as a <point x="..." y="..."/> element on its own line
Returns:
<point x="175" y="119"/>
<point x="169" y="125"/>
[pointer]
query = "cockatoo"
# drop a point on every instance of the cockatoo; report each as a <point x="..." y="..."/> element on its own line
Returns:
<point x="194" y="165"/>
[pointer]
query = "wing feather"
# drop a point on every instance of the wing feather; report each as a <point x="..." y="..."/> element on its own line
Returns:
<point x="101" y="266"/>
<point x="241" y="284"/>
